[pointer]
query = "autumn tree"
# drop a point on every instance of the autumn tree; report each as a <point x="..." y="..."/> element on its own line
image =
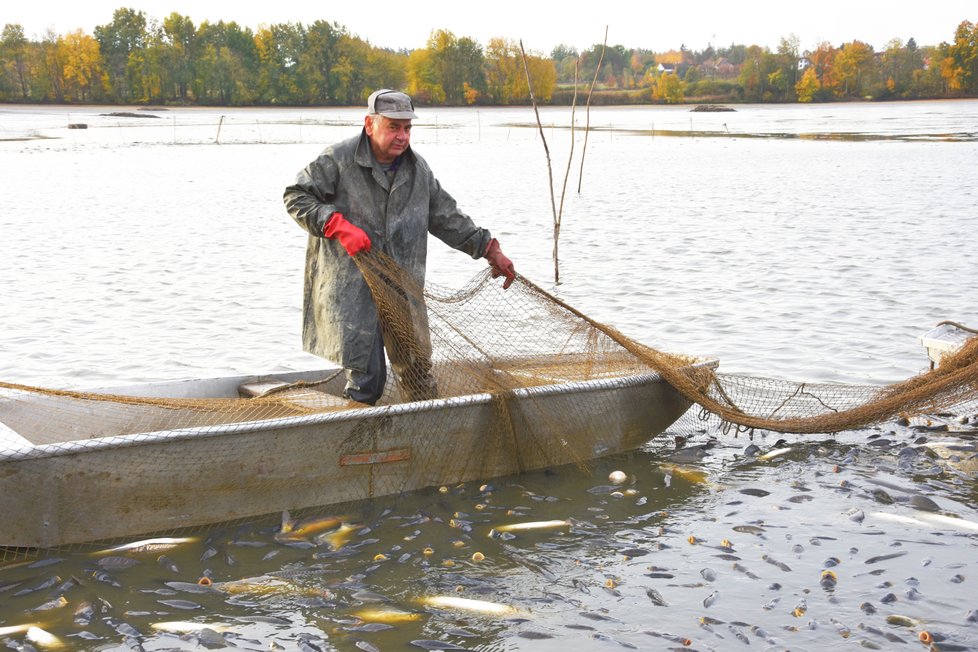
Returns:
<point x="960" y="66"/>
<point x="854" y="69"/>
<point x="451" y="63"/>
<point x="668" y="88"/>
<point x="81" y="65"/>
<point x="505" y="79"/>
<point x="758" y="74"/>
<point x="808" y="86"/>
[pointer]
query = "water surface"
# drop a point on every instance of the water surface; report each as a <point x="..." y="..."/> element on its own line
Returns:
<point x="145" y="248"/>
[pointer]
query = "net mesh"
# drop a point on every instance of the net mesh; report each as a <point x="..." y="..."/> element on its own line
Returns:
<point x="484" y="382"/>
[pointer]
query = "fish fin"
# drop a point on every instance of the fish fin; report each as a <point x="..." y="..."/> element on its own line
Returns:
<point x="287" y="522"/>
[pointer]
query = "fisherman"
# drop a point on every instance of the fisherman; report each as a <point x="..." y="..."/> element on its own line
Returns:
<point x="374" y="191"/>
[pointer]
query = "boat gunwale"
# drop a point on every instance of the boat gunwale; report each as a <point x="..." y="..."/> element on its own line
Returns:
<point x="74" y="447"/>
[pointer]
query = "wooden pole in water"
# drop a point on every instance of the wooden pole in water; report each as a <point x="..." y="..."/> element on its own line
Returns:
<point x="217" y="140"/>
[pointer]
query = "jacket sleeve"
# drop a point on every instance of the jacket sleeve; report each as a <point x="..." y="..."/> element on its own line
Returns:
<point x="453" y="227"/>
<point x="311" y="199"/>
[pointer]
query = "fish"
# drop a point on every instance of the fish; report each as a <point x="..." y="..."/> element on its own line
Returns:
<point x="710" y="599"/>
<point x="532" y="525"/>
<point x="116" y="562"/>
<point x="339" y="537"/>
<point x="46" y="584"/>
<point x="185" y="627"/>
<point x="746" y="571"/>
<point x="43" y="638"/>
<point x="369" y="627"/>
<point x="879" y="558"/>
<point x="180" y="604"/>
<point x="292" y="529"/>
<point x="694" y="476"/>
<point x="774" y="562"/>
<point x="168" y="564"/>
<point x="753" y="491"/>
<point x="468" y="604"/>
<point x="148" y="545"/>
<point x="104" y="578"/>
<point x="56" y="603"/>
<point x="749" y="529"/>
<point x="928" y="520"/>
<point x="777" y="452"/>
<point x="387" y="615"/>
<point x="261" y="585"/>
<point x="192" y="587"/>
<point x="15" y="629"/>
<point x="429" y="644"/>
<point x="656" y="597"/>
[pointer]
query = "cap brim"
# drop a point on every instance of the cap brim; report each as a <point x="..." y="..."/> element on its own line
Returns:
<point x="399" y="115"/>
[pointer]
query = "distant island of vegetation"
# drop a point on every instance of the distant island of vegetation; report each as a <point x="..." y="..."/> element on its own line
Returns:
<point x="133" y="59"/>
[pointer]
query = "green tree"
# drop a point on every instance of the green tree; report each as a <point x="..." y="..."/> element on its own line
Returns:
<point x="351" y="79"/>
<point x="226" y="70"/>
<point x="118" y="40"/>
<point x="787" y="62"/>
<point x="15" y="75"/>
<point x="279" y="50"/>
<point x="317" y="58"/>
<point x="180" y="50"/>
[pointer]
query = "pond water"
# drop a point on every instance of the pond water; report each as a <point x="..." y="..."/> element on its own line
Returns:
<point x="809" y="243"/>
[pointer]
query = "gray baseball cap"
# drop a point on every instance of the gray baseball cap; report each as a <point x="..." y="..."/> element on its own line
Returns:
<point x="391" y="104"/>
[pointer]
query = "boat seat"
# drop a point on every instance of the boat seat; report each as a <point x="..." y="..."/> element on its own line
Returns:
<point x="304" y="397"/>
<point x="10" y="440"/>
<point x="254" y="390"/>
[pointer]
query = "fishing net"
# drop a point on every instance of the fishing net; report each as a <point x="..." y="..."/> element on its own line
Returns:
<point x="485" y="382"/>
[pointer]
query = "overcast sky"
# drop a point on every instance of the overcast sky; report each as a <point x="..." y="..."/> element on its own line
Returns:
<point x="541" y="25"/>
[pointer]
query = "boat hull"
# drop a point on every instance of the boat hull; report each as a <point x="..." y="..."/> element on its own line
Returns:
<point x="129" y="485"/>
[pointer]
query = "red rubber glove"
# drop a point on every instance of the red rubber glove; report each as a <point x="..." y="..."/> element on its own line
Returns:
<point x="501" y="265"/>
<point x="352" y="237"/>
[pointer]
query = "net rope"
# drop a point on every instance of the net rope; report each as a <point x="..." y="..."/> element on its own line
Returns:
<point x="483" y="382"/>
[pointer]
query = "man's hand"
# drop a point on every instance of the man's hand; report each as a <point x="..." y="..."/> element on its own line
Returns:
<point x="352" y="237"/>
<point x="500" y="264"/>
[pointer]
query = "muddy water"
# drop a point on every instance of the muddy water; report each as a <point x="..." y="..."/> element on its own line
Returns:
<point x="134" y="252"/>
<point x="830" y="542"/>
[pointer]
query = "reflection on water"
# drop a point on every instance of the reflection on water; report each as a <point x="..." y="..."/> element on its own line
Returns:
<point x="135" y="251"/>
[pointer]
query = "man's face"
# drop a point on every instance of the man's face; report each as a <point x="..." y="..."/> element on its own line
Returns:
<point x="389" y="138"/>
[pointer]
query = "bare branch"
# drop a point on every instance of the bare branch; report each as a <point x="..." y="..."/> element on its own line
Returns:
<point x="546" y="149"/>
<point x="587" y="124"/>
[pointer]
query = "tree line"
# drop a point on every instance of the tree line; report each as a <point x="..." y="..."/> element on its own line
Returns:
<point x="134" y="59"/>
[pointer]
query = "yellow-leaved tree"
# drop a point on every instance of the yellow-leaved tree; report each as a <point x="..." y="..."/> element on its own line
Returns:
<point x="807" y="87"/>
<point x="81" y="63"/>
<point x="506" y="79"/>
